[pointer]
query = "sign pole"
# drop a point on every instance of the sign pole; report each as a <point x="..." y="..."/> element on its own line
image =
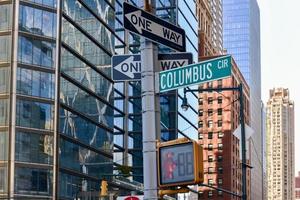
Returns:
<point x="150" y="113"/>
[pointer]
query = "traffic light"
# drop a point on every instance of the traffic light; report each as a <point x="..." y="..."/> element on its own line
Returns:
<point x="103" y="188"/>
<point x="180" y="162"/>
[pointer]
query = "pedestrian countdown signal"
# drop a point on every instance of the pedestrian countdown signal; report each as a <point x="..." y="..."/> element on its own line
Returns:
<point x="180" y="163"/>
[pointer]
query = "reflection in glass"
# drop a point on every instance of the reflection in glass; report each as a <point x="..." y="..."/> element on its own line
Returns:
<point x="5" y="44"/>
<point x="83" y="160"/>
<point x="36" y="52"/>
<point x="85" y="47"/>
<point x="34" y="148"/>
<point x="4" y="79"/>
<point x="85" y="131"/>
<point x="5" y="17"/>
<point x="34" y="114"/>
<point x="70" y="186"/>
<point x="4" y="110"/>
<point x="3" y="146"/>
<point x="83" y="102"/>
<point x="37" y="21"/>
<point x="85" y="75"/>
<point x="33" y="181"/>
<point x="35" y="83"/>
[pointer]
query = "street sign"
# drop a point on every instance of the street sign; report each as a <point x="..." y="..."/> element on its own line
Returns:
<point x="128" y="67"/>
<point x="180" y="162"/>
<point x="201" y="72"/>
<point x="150" y="26"/>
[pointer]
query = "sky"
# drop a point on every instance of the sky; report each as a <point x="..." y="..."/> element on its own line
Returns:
<point x="280" y="51"/>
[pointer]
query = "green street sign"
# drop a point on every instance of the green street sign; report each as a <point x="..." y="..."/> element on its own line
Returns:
<point x="201" y="72"/>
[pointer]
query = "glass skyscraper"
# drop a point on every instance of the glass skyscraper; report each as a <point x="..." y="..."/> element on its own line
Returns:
<point x="241" y="38"/>
<point x="56" y="97"/>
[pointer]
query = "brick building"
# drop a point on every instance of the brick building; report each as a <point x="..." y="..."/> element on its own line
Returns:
<point x="218" y="118"/>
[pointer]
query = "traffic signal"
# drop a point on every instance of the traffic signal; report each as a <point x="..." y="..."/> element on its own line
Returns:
<point x="180" y="162"/>
<point x="103" y="188"/>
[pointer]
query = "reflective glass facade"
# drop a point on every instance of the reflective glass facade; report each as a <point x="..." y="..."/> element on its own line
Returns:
<point x="241" y="25"/>
<point x="56" y="98"/>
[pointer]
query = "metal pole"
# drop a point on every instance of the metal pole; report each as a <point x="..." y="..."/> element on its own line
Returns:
<point x="243" y="136"/>
<point x="150" y="113"/>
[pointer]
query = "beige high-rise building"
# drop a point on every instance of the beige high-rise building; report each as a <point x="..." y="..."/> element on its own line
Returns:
<point x="280" y="145"/>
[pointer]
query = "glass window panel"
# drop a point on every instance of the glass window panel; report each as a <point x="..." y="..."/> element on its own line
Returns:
<point x="5" y="44"/>
<point x="86" y="104"/>
<point x="48" y="24"/>
<point x="34" y="148"/>
<point x="37" y="21"/>
<point x="42" y="52"/>
<point x="85" y="47"/>
<point x="71" y="186"/>
<point x="85" y="131"/>
<point x="3" y="179"/>
<point x="80" y="159"/>
<point x="34" y="114"/>
<point x="3" y="145"/>
<point x="5" y="17"/>
<point x="85" y="75"/>
<point x="33" y="181"/>
<point x="35" y="83"/>
<point x="4" y="79"/>
<point x="4" y="111"/>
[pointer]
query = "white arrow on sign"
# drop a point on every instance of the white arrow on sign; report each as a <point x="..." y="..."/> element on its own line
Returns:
<point x="129" y="67"/>
<point x="142" y="24"/>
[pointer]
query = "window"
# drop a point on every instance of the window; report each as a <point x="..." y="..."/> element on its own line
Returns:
<point x="220" y="134"/>
<point x="3" y="179"/>
<point x="3" y="145"/>
<point x="220" y="146"/>
<point x="210" y="123"/>
<point x="220" y="100"/>
<point x="220" y="193"/>
<point x="35" y="83"/>
<point x="36" y="52"/>
<point x="220" y="83"/>
<point x="5" y="44"/>
<point x="219" y="111"/>
<point x="33" y="181"/>
<point x="4" y="79"/>
<point x="220" y="181"/>
<point x="210" y="147"/>
<point x="200" y="136"/>
<point x="210" y="135"/>
<point x="4" y="112"/>
<point x="5" y="17"/>
<point x="210" y="100"/>
<point x="220" y="158"/>
<point x="34" y="148"/>
<point x="200" y="124"/>
<point x="210" y="158"/>
<point x="220" y="170"/>
<point x="210" y="112"/>
<point x="37" y="21"/>
<point x="34" y="115"/>
<point x="210" y="193"/>
<point x="210" y="170"/>
<point x="219" y="123"/>
<point x="200" y="112"/>
<point x="200" y="101"/>
<point x="210" y="182"/>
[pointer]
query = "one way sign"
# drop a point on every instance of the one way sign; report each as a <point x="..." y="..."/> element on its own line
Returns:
<point x="128" y="67"/>
<point x="145" y="24"/>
